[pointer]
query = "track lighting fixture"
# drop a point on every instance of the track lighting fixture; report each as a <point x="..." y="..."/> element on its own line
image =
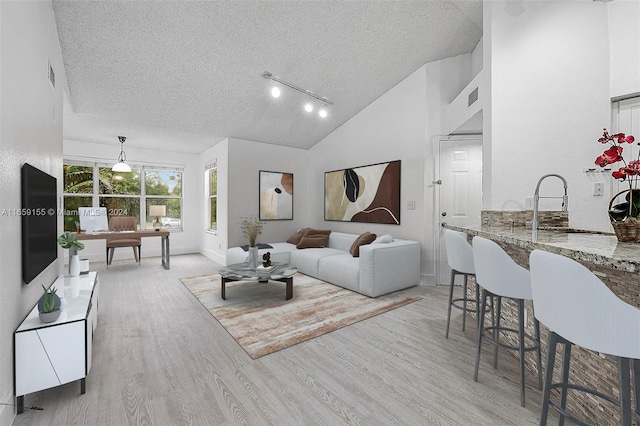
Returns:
<point x="121" y="166"/>
<point x="275" y="92"/>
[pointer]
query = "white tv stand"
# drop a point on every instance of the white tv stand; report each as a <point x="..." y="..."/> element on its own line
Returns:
<point x="52" y="354"/>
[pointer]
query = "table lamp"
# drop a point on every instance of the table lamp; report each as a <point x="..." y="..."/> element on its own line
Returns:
<point x="157" y="211"/>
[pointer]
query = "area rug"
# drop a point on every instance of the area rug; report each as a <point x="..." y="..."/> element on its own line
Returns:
<point x="262" y="321"/>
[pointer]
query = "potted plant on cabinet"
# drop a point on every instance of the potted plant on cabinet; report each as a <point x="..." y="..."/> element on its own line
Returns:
<point x="69" y="241"/>
<point x="49" y="305"/>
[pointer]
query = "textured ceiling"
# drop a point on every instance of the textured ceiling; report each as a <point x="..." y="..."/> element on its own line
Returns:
<point x="182" y="75"/>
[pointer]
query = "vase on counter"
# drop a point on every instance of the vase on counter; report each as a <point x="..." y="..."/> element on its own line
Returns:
<point x="253" y="257"/>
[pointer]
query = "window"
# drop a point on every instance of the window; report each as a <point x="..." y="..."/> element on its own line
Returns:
<point x="164" y="187"/>
<point x="119" y="192"/>
<point x="212" y="174"/>
<point x="123" y="194"/>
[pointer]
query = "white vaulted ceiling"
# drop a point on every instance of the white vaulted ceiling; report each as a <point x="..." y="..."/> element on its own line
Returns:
<point x="181" y="75"/>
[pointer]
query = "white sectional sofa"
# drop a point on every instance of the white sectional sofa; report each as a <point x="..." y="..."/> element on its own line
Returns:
<point x="381" y="267"/>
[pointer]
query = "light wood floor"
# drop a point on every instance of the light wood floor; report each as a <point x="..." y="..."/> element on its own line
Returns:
<point x="160" y="358"/>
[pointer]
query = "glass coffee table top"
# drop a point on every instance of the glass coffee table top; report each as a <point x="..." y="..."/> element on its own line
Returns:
<point x="243" y="271"/>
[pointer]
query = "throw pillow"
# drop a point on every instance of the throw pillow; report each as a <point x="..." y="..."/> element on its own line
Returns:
<point x="295" y="238"/>
<point x="311" y="231"/>
<point x="383" y="239"/>
<point x="366" y="238"/>
<point x="314" y="241"/>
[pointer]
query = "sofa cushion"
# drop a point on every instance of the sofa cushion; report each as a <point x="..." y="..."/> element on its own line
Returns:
<point x="313" y="241"/>
<point x="365" y="238"/>
<point x="307" y="260"/>
<point x="341" y="269"/>
<point x="295" y="238"/>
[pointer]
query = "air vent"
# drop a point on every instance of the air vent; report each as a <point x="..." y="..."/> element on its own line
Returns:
<point x="473" y="96"/>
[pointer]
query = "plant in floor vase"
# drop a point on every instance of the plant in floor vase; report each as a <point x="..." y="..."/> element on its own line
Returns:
<point x="624" y="216"/>
<point x="251" y="228"/>
<point x="69" y="241"/>
<point x="49" y="305"/>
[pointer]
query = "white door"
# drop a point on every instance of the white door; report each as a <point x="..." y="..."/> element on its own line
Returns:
<point x="460" y="190"/>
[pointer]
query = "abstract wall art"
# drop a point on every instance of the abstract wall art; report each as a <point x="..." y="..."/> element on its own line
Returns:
<point x="363" y="194"/>
<point x="276" y="195"/>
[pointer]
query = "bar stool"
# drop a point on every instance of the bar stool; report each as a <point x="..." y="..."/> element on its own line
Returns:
<point x="579" y="309"/>
<point x="460" y="258"/>
<point x="499" y="276"/>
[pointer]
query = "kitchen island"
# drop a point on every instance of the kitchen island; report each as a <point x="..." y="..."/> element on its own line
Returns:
<point x="616" y="264"/>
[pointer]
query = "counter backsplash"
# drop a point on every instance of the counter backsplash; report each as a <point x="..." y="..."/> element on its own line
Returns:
<point x="519" y="218"/>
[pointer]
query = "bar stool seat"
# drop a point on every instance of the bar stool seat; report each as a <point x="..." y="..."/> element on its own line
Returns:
<point x="579" y="309"/>
<point x="499" y="276"/>
<point x="460" y="259"/>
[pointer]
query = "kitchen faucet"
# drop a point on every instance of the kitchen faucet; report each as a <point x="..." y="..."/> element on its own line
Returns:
<point x="536" y="201"/>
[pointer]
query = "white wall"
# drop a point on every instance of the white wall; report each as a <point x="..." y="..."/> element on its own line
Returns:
<point x="624" y="42"/>
<point x="549" y="70"/>
<point x="185" y="241"/>
<point x="400" y="125"/>
<point x="245" y="160"/>
<point x="31" y="131"/>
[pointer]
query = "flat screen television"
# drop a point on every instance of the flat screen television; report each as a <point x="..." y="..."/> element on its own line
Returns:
<point x="39" y="221"/>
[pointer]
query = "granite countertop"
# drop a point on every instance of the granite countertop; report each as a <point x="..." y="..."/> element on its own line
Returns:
<point x="585" y="246"/>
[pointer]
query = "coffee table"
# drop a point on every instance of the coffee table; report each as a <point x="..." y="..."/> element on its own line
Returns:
<point x="242" y="272"/>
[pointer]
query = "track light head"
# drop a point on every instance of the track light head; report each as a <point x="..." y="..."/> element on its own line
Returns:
<point x="323" y="112"/>
<point x="308" y="106"/>
<point x="275" y="91"/>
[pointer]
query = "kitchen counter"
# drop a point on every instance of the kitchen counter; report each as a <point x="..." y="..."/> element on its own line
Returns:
<point x="599" y="248"/>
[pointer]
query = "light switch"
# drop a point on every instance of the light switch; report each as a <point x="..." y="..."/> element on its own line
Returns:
<point x="598" y="189"/>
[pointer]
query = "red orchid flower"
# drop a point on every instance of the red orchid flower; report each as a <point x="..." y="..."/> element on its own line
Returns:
<point x="610" y="156"/>
<point x="621" y="138"/>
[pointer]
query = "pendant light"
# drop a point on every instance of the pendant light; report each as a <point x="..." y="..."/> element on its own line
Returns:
<point x="121" y="166"/>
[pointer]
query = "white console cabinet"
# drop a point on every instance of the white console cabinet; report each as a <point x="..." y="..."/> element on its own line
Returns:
<point x="59" y="352"/>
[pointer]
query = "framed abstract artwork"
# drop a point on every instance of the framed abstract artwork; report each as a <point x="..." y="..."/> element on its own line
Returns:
<point x="363" y="194"/>
<point x="276" y="195"/>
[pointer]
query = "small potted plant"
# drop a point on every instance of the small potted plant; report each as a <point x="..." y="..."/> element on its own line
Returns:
<point x="69" y="241"/>
<point x="49" y="305"/>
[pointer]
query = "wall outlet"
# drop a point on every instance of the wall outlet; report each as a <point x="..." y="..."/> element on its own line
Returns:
<point x="411" y="205"/>
<point x="598" y="189"/>
<point x="528" y="203"/>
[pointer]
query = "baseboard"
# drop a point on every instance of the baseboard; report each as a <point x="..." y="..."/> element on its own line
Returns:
<point x="214" y="256"/>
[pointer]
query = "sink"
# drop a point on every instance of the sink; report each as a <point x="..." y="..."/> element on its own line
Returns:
<point x="562" y="230"/>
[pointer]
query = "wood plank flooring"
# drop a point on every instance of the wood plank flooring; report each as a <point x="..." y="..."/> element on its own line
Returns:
<point x="160" y="358"/>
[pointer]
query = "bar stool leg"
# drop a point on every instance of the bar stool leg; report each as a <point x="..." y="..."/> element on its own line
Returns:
<point x="636" y="386"/>
<point x="496" y="332"/>
<point x="464" y="302"/>
<point x="536" y="324"/>
<point x="483" y="307"/>
<point x="552" y="344"/>
<point x="624" y="385"/>
<point x="478" y="317"/>
<point x="521" y="347"/>
<point x="566" y="359"/>
<point x="453" y="277"/>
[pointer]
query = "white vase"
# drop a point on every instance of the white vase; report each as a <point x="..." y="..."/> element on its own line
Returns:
<point x="74" y="265"/>
<point x="253" y="257"/>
